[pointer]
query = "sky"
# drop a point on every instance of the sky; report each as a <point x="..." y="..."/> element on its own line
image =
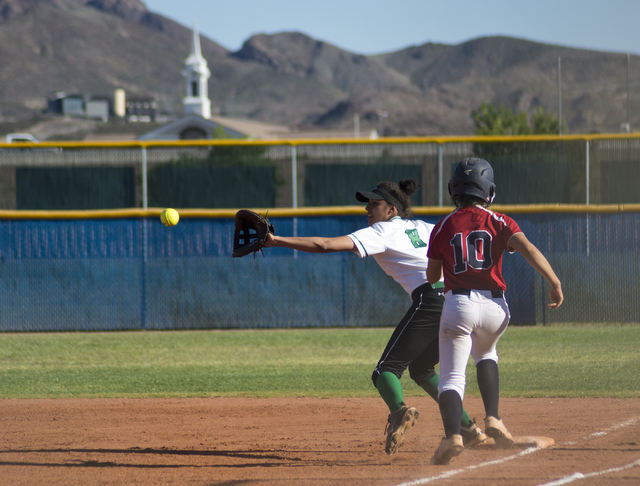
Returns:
<point x="380" y="26"/>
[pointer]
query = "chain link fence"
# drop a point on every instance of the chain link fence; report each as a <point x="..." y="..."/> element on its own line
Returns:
<point x="594" y="169"/>
<point x="66" y="268"/>
<point x="131" y="273"/>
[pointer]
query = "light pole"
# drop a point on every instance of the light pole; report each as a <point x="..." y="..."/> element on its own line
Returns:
<point x="559" y="95"/>
<point x="381" y="116"/>
<point x="627" y="126"/>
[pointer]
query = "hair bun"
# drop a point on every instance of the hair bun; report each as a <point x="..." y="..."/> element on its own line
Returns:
<point x="408" y="186"/>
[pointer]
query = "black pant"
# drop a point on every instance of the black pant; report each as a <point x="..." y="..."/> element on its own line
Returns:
<point x="414" y="342"/>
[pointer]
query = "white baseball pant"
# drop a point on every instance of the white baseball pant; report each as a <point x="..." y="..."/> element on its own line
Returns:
<point x="470" y="325"/>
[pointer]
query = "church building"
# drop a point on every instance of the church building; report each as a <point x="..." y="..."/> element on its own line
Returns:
<point x="196" y="123"/>
<point x="197" y="74"/>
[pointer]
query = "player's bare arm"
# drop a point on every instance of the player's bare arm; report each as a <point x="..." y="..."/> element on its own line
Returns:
<point x="434" y="271"/>
<point x="312" y="244"/>
<point x="537" y="260"/>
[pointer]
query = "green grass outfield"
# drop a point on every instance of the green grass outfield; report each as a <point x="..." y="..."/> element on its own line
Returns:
<point x="567" y="361"/>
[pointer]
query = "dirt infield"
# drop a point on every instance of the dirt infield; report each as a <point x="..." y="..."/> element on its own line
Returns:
<point x="304" y="441"/>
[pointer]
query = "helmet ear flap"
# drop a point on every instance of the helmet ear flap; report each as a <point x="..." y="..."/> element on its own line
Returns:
<point x="492" y="194"/>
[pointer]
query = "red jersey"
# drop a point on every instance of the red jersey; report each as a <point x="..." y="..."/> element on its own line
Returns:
<point x="470" y="242"/>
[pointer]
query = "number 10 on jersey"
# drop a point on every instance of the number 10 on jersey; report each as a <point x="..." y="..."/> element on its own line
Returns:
<point x="472" y="251"/>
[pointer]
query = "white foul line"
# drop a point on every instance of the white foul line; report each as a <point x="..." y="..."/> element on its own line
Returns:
<point x="605" y="432"/>
<point x="578" y="475"/>
<point x="573" y="477"/>
<point x="448" y="474"/>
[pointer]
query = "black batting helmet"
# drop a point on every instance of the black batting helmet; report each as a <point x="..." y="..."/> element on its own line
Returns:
<point x="473" y="177"/>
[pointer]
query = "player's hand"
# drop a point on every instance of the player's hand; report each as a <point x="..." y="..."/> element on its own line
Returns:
<point x="556" y="297"/>
<point x="270" y="240"/>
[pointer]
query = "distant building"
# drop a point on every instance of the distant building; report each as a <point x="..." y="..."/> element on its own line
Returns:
<point x="119" y="103"/>
<point x="141" y="109"/>
<point x="97" y="108"/>
<point x="197" y="74"/>
<point x="134" y="108"/>
<point x="74" y="104"/>
<point x="68" y="104"/>
<point x="196" y="124"/>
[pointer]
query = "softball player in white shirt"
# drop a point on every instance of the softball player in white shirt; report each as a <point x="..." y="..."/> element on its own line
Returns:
<point x="399" y="245"/>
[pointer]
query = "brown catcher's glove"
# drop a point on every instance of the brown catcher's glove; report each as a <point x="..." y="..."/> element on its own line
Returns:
<point x="250" y="233"/>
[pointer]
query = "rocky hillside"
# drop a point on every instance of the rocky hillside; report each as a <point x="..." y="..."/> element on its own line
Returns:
<point x="96" y="46"/>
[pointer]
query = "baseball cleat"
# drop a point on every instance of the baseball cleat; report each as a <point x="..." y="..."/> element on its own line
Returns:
<point x="472" y="435"/>
<point x="449" y="448"/>
<point x="399" y="422"/>
<point x="495" y="429"/>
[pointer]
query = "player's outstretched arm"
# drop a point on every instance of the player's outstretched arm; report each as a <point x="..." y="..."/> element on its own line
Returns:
<point x="536" y="259"/>
<point x="312" y="244"/>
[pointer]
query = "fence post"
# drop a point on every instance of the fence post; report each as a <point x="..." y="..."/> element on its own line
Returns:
<point x="587" y="189"/>
<point x="145" y="200"/>
<point x="440" y="174"/>
<point x="294" y="177"/>
<point x="143" y="274"/>
<point x="587" y="171"/>
<point x="145" y="250"/>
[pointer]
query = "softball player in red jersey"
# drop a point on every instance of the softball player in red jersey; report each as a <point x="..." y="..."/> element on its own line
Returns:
<point x="399" y="245"/>
<point x="467" y="246"/>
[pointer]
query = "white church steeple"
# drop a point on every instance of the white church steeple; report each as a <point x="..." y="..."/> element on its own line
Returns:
<point x="196" y="73"/>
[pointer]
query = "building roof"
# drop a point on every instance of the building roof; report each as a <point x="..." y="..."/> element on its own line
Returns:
<point x="172" y="130"/>
<point x="254" y="129"/>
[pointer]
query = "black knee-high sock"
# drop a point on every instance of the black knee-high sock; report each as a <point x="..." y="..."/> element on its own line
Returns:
<point x="489" y="385"/>
<point x="451" y="411"/>
<point x="431" y="387"/>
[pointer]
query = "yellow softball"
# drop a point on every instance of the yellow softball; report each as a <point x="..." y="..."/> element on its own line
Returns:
<point x="169" y="217"/>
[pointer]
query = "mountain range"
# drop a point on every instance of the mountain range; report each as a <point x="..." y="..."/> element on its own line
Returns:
<point x="96" y="46"/>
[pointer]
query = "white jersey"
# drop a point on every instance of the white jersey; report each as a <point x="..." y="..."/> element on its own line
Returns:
<point x="400" y="248"/>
